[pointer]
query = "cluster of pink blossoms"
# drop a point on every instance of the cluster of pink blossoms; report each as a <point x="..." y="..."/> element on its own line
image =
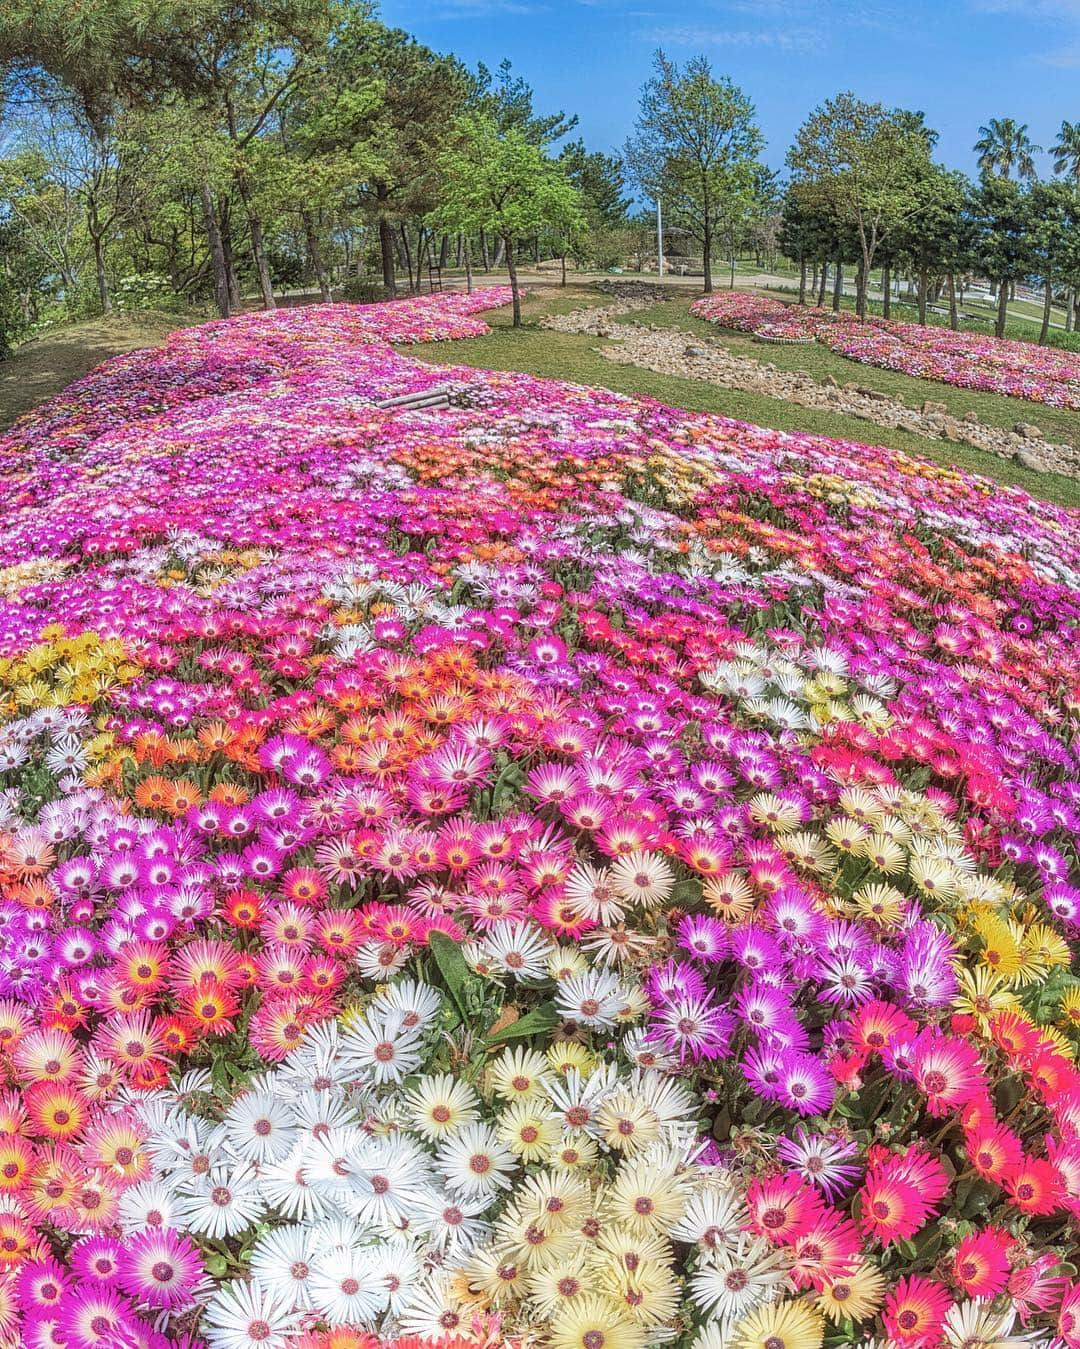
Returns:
<point x="964" y="359"/>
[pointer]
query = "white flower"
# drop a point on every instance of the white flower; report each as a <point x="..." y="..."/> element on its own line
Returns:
<point x="315" y="1065"/>
<point x="577" y="1100"/>
<point x="259" y="1127"/>
<point x="432" y="1312"/>
<point x="594" y="999"/>
<point x="396" y="1267"/>
<point x="150" y="1203"/>
<point x="244" y="1316"/>
<point x="416" y="1003"/>
<point x="519" y="949"/>
<point x="379" y="1050"/>
<point x="590" y="890"/>
<point x="474" y="1162"/>
<point x="389" y="1174"/>
<point x="740" y="1277"/>
<point x="714" y="1218"/>
<point x="452" y="1224"/>
<point x="287" y="1189"/>
<point x="281" y="1263"/>
<point x="643" y="878"/>
<point x="344" y="1288"/>
<point x="223" y="1204"/>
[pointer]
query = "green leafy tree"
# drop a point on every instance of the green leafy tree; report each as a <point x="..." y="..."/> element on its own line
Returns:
<point x="694" y="148"/>
<point x="501" y="181"/>
<point x="868" y="162"/>
<point x="936" y="240"/>
<point x="507" y="99"/>
<point x="388" y="106"/>
<point x="1054" y="210"/>
<point x="1004" y="145"/>
<point x="1066" y="150"/>
<point x="1003" y="245"/>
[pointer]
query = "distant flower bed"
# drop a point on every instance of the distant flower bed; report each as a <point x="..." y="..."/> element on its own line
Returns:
<point x="553" y="870"/>
<point x="967" y="360"/>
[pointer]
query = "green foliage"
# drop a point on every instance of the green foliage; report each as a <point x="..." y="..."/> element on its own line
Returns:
<point x="694" y="149"/>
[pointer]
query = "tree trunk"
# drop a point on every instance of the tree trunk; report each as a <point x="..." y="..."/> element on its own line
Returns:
<point x="954" y="317"/>
<point x="484" y="252"/>
<point x="468" y="266"/>
<point x="924" y="283"/>
<point x="886" y="292"/>
<point x="706" y="257"/>
<point x="823" y="285"/>
<point x="1003" y="309"/>
<point x="802" y="279"/>
<point x="731" y="281"/>
<point x="100" y="273"/>
<point x="236" y="300"/>
<point x="314" y="249"/>
<point x="1048" y="300"/>
<point x="1070" y="310"/>
<point x="838" y="286"/>
<point x="258" y="248"/>
<point x="500" y="252"/>
<point x="562" y="259"/>
<point x="407" y="254"/>
<point x="217" y="251"/>
<point x="537" y="243"/>
<point x="512" y="269"/>
<point x="444" y="250"/>
<point x="862" y="280"/>
<point x="386" y="248"/>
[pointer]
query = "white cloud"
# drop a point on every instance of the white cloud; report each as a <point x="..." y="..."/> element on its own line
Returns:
<point x="690" y="35"/>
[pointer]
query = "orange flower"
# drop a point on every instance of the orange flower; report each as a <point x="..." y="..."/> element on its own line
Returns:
<point x="153" y="793"/>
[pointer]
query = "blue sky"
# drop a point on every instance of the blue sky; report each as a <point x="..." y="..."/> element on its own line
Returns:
<point x="959" y="61"/>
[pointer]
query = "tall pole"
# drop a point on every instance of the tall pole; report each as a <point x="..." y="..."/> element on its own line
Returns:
<point x="659" y="239"/>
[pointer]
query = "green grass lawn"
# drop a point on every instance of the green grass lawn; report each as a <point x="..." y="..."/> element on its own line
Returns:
<point x="1059" y="425"/>
<point x="571" y="356"/>
<point x="48" y="363"/>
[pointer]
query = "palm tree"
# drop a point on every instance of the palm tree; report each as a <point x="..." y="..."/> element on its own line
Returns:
<point x="1004" y="145"/>
<point x="1067" y="150"/>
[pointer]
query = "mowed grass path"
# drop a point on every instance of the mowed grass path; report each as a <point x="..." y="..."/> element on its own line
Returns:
<point x="570" y="356"/>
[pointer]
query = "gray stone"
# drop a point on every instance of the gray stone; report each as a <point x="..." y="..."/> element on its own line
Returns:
<point x="930" y="406"/>
<point x="1028" y="431"/>
<point x="972" y="418"/>
<point x="695" y="351"/>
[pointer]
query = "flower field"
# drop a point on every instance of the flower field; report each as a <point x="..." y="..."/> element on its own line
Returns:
<point x="966" y="360"/>
<point x="553" y="870"/>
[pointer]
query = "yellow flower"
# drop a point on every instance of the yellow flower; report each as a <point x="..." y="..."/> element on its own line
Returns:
<point x="592" y="1322"/>
<point x="529" y="1129"/>
<point x="883" y="903"/>
<point x="982" y="993"/>
<point x="780" y="1325"/>
<point x="855" y="1297"/>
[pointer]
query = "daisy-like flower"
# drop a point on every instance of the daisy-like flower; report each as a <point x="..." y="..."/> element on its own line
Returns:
<point x="529" y="1128"/>
<point x="594" y="998"/>
<point x="518" y="949"/>
<point x="741" y="1276"/>
<point x="343" y="1287"/>
<point x="245" y="1316"/>
<point x="379" y="1050"/>
<point x="821" y="1159"/>
<point x="648" y="1195"/>
<point x="780" y="1325"/>
<point x="643" y="880"/>
<point x="259" y="1127"/>
<point x="224" y="1203"/>
<point x="162" y="1269"/>
<point x="854" y="1296"/>
<point x="282" y="1263"/>
<point x="388" y="1174"/>
<point x="915" y="1310"/>
<point x="474" y="1163"/>
<point x="593" y="1322"/>
<point x="440" y="1105"/>
<point x="518" y="1074"/>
